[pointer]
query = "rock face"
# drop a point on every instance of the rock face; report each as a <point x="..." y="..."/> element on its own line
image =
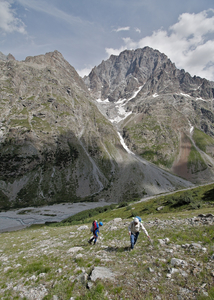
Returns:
<point x="56" y="146"/>
<point x="163" y="114"/>
<point x="120" y="76"/>
<point x="6" y="57"/>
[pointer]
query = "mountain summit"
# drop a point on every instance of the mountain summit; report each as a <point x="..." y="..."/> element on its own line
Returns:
<point x="120" y="76"/>
<point x="163" y="114"/>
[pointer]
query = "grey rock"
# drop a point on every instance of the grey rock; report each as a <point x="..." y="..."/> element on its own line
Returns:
<point x="196" y="246"/>
<point x="183" y="273"/>
<point x="160" y="208"/>
<point x="113" y="228"/>
<point x="178" y="262"/>
<point x="90" y="285"/>
<point x="173" y="271"/>
<point x="117" y="220"/>
<point x="59" y="270"/>
<point x="83" y="227"/>
<point x="83" y="278"/>
<point x="169" y="250"/>
<point x="101" y="273"/>
<point x="151" y="270"/>
<point x="185" y="291"/>
<point x="185" y="246"/>
<point x="164" y="242"/>
<point x="74" y="249"/>
<point x="212" y="256"/>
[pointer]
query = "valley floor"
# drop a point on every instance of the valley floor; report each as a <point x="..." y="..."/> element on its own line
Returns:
<point x="16" y="219"/>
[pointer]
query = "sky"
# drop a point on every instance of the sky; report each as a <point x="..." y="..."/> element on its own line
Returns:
<point x="89" y="31"/>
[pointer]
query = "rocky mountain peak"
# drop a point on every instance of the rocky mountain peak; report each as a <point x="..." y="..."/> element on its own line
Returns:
<point x="6" y="57"/>
<point x="120" y="76"/>
<point x="156" y="107"/>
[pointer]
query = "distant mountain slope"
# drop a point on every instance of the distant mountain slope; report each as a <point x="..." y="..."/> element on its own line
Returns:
<point x="56" y="146"/>
<point x="159" y="110"/>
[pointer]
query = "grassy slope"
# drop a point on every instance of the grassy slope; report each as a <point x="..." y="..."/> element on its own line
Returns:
<point x="181" y="201"/>
<point x="38" y="257"/>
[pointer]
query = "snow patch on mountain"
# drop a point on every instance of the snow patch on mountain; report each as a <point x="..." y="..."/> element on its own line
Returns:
<point x="155" y="95"/>
<point x="124" y="144"/>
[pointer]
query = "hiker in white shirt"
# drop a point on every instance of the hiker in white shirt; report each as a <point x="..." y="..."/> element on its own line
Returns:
<point x="134" y="230"/>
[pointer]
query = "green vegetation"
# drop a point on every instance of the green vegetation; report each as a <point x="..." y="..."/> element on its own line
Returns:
<point x="156" y="156"/>
<point x="202" y="140"/>
<point x="153" y="140"/>
<point x="39" y="124"/>
<point x="20" y="122"/>
<point x="195" y="161"/>
<point x="86" y="214"/>
<point x="189" y="200"/>
<point x="4" y="201"/>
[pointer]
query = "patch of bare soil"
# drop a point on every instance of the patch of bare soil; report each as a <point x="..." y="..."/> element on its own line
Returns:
<point x="180" y="165"/>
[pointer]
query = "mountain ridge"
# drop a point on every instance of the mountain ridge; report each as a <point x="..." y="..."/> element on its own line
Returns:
<point x="139" y="67"/>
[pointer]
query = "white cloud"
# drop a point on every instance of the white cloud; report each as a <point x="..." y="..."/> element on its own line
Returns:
<point x="138" y="30"/>
<point x="111" y="51"/>
<point x="189" y="43"/>
<point x="8" y="22"/>
<point x="84" y="72"/>
<point x="122" y="29"/>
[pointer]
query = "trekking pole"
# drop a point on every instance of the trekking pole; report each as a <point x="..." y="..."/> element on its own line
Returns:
<point x="151" y="241"/>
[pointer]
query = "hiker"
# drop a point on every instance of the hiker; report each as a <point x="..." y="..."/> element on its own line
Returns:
<point x="134" y="229"/>
<point x="95" y="230"/>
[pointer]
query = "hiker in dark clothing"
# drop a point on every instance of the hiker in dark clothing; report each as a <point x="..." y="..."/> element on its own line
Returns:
<point x="95" y="230"/>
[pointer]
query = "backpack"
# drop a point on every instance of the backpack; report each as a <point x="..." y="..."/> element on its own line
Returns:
<point x="95" y="225"/>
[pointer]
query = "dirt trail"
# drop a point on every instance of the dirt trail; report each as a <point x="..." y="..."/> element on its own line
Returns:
<point x="180" y="165"/>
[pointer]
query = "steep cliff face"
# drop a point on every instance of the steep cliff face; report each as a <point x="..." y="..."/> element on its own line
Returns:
<point x="159" y="110"/>
<point x="56" y="146"/>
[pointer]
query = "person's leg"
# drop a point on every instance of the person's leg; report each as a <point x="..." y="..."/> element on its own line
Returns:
<point x="132" y="240"/>
<point x="136" y="237"/>
<point x="91" y="240"/>
<point x="95" y="237"/>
